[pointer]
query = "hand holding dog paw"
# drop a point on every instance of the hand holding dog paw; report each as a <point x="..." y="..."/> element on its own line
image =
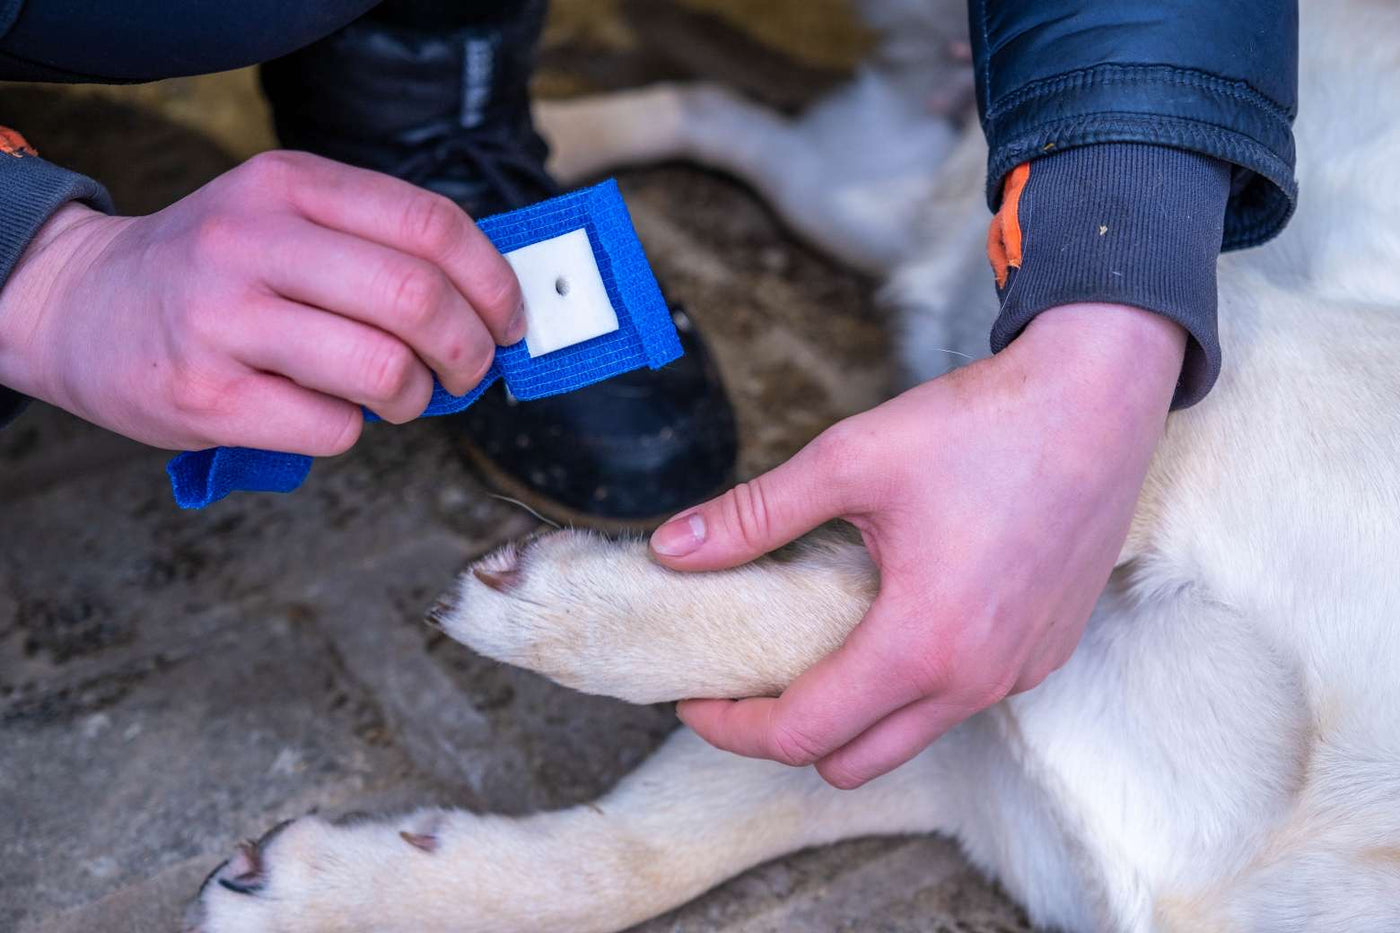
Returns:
<point x="995" y="501"/>
<point x="261" y="311"/>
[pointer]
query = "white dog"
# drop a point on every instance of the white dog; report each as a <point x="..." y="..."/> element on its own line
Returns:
<point x="1223" y="750"/>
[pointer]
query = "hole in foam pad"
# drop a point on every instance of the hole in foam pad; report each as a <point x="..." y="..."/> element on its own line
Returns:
<point x="566" y="302"/>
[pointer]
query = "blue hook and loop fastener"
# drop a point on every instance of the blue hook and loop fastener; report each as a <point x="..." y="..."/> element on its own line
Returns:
<point x="644" y="335"/>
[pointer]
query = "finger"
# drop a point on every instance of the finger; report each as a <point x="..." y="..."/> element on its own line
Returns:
<point x="274" y="413"/>
<point x="405" y="217"/>
<point x="891" y="742"/>
<point x="756" y="517"/>
<point x="738" y="726"/>
<point x="398" y="293"/>
<point x="335" y="356"/>
<point x="840" y="697"/>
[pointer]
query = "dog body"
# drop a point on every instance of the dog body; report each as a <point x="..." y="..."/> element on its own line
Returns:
<point x="1222" y="752"/>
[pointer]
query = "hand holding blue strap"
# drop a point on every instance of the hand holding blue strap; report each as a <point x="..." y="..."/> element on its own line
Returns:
<point x="645" y="336"/>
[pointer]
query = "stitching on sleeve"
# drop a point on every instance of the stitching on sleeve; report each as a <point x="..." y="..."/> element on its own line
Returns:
<point x="986" y="60"/>
<point x="1137" y="74"/>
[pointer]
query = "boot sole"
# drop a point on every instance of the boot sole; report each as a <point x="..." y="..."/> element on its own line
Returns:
<point x="503" y="483"/>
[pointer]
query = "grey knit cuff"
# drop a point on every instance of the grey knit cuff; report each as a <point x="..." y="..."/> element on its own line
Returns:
<point x="1123" y="223"/>
<point x="31" y="190"/>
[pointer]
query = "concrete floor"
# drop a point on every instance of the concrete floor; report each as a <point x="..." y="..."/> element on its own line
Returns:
<point x="172" y="682"/>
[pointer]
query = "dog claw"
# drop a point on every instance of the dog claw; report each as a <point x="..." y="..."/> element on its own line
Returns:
<point x="247" y="868"/>
<point x="243" y="884"/>
<point x="437" y="615"/>
<point x="499" y="580"/>
<point x="420" y="841"/>
<point x="270" y="835"/>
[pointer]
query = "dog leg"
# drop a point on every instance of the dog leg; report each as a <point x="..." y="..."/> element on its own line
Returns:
<point x="689" y="818"/>
<point x="599" y="616"/>
<point x="856" y="205"/>
<point x="591" y="135"/>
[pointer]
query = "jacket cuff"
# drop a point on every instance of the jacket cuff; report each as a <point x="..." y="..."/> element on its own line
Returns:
<point x="1122" y="223"/>
<point x="1212" y="116"/>
<point x="31" y="190"/>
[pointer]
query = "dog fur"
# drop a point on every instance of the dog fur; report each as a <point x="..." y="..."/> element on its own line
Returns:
<point x="1223" y="750"/>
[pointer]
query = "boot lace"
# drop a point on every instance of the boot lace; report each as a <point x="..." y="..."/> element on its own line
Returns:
<point x="492" y="154"/>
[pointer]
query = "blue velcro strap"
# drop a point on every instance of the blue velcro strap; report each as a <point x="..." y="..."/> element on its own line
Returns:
<point x="646" y="336"/>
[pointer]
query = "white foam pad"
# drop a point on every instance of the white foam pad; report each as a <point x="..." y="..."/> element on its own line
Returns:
<point x="565" y="300"/>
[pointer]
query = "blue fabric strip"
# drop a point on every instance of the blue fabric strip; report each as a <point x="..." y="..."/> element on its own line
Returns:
<point x="646" y="336"/>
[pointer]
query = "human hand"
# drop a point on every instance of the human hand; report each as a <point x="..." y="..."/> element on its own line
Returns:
<point x="261" y="311"/>
<point x="995" y="501"/>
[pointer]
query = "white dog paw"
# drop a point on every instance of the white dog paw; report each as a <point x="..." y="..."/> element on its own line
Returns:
<point x="231" y="899"/>
<point x="555" y="604"/>
<point x="600" y="616"/>
<point x="309" y="875"/>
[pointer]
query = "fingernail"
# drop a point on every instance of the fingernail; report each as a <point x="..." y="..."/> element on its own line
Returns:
<point x="515" y="330"/>
<point x="679" y="536"/>
<point x="681" y="709"/>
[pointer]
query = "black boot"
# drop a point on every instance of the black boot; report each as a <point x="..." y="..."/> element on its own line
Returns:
<point x="448" y="108"/>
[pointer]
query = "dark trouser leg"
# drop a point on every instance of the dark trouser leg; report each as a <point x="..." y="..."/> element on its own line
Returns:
<point x="445" y="14"/>
<point x="432" y="91"/>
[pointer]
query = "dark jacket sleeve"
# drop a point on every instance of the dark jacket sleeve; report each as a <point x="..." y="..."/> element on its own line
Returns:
<point x="1155" y="133"/>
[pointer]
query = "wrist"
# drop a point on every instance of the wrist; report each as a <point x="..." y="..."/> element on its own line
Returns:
<point x="29" y="300"/>
<point x="1116" y="224"/>
<point x="1096" y="353"/>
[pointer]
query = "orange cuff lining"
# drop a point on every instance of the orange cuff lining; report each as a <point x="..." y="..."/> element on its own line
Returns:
<point x="13" y="144"/>
<point x="1004" y="235"/>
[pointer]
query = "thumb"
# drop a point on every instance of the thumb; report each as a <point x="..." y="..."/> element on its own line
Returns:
<point x="753" y="518"/>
